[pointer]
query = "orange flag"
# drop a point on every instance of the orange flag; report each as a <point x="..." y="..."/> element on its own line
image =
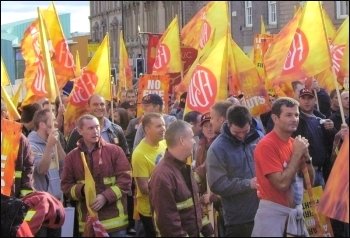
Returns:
<point x="209" y="79"/>
<point x="300" y="49"/>
<point x="168" y="59"/>
<point x="125" y="72"/>
<point x="245" y="79"/>
<point x="334" y="202"/>
<point x="213" y="16"/>
<point x="10" y="136"/>
<point x="95" y="79"/>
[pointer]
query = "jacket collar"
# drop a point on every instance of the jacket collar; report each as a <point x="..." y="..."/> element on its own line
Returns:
<point x="81" y="145"/>
<point x="172" y="160"/>
<point x="252" y="135"/>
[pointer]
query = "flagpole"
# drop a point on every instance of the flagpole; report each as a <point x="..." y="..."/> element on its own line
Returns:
<point x="317" y="103"/>
<point x="334" y="75"/>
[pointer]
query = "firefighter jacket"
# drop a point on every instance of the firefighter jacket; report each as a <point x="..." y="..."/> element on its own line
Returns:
<point x="112" y="175"/>
<point x="175" y="201"/>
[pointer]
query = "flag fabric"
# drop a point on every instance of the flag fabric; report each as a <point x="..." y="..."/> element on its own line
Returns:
<point x="300" y="49"/>
<point x="262" y="26"/>
<point x="10" y="137"/>
<point x="209" y="79"/>
<point x="5" y="79"/>
<point x="125" y="72"/>
<point x="15" y="98"/>
<point x="89" y="188"/>
<point x="77" y="65"/>
<point x="95" y="79"/>
<point x="213" y="16"/>
<point x="62" y="59"/>
<point x="261" y="44"/>
<point x="334" y="202"/>
<point x="168" y="59"/>
<point x="245" y="79"/>
<point x="153" y="40"/>
<point x="94" y="228"/>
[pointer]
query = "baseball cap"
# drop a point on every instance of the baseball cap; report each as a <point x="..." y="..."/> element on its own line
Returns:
<point x="152" y="99"/>
<point x="205" y="117"/>
<point x="127" y="105"/>
<point x="305" y="91"/>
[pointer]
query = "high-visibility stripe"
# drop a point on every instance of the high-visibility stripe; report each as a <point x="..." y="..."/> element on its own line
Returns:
<point x="29" y="215"/>
<point x="18" y="174"/>
<point x="185" y="204"/>
<point x="109" y="180"/>
<point x="24" y="192"/>
<point x="205" y="221"/>
<point x="72" y="192"/>
<point x="117" y="191"/>
<point x="109" y="224"/>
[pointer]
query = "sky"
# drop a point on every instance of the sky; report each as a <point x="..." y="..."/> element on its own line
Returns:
<point x="12" y="11"/>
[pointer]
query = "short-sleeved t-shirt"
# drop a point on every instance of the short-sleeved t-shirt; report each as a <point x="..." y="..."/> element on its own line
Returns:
<point x="144" y="159"/>
<point x="272" y="155"/>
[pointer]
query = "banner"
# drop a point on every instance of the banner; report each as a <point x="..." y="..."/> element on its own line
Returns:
<point x="153" y="40"/>
<point x="10" y="138"/>
<point x="153" y="84"/>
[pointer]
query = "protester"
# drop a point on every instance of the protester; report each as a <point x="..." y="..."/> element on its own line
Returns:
<point x="278" y="159"/>
<point x="131" y="96"/>
<point x="173" y="190"/>
<point x="110" y="170"/>
<point x="145" y="157"/>
<point x="323" y="99"/>
<point x="218" y="114"/>
<point x="336" y="117"/>
<point x="231" y="171"/>
<point x="27" y="114"/>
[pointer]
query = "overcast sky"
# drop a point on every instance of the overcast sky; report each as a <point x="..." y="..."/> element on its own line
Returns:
<point x="12" y="11"/>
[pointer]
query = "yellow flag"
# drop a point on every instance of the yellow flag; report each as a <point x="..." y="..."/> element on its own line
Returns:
<point x="262" y="26"/>
<point x="213" y="16"/>
<point x="77" y="64"/>
<point x="168" y="59"/>
<point x="95" y="79"/>
<point x="12" y="109"/>
<point x="209" y="80"/>
<point x="89" y="188"/>
<point x="125" y="72"/>
<point x="300" y="49"/>
<point x="15" y="98"/>
<point x="5" y="79"/>
<point x="340" y="50"/>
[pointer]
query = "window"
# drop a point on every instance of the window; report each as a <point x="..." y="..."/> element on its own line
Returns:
<point x="272" y="10"/>
<point x="248" y="13"/>
<point x="342" y="9"/>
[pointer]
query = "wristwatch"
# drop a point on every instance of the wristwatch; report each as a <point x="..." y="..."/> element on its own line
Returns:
<point x="309" y="160"/>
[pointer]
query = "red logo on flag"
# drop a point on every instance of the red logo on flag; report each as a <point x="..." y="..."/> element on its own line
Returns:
<point x="205" y="34"/>
<point x="202" y="90"/>
<point x="84" y="87"/>
<point x="38" y="85"/>
<point x="337" y="52"/>
<point x="297" y="53"/>
<point x="163" y="57"/>
<point x="63" y="55"/>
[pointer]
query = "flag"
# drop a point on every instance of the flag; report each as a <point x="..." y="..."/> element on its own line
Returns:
<point x="125" y="72"/>
<point x="300" y="49"/>
<point x="5" y="79"/>
<point x="95" y="79"/>
<point x="245" y="79"/>
<point x="334" y="202"/>
<point x="168" y="59"/>
<point x="209" y="79"/>
<point x="262" y="25"/>
<point x="77" y="64"/>
<point x="261" y="44"/>
<point x="15" y="98"/>
<point x="89" y="188"/>
<point x="10" y="137"/>
<point x="153" y="40"/>
<point x="213" y="16"/>
<point x="62" y="59"/>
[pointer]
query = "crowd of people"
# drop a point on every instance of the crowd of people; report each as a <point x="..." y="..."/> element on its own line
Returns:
<point x="157" y="174"/>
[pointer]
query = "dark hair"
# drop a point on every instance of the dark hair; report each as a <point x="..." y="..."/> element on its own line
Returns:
<point x="40" y="116"/>
<point x="28" y="112"/>
<point x="221" y="107"/>
<point x="175" y="130"/>
<point x="80" y="122"/>
<point x="148" y="118"/>
<point x="191" y="117"/>
<point x="124" y="117"/>
<point x="238" y="115"/>
<point x="283" y="101"/>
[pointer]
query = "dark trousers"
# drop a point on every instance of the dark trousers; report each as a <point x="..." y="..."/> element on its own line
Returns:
<point x="48" y="232"/>
<point x="148" y="226"/>
<point x="239" y="230"/>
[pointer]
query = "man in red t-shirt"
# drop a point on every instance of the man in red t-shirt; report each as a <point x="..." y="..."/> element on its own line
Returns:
<point x="278" y="159"/>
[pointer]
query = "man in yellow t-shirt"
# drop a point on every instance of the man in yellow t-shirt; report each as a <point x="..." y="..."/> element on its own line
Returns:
<point x="145" y="157"/>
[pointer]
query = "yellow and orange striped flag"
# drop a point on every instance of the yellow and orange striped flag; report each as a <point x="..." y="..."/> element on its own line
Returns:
<point x="300" y="49"/>
<point x="209" y="80"/>
<point x="95" y="79"/>
<point x="212" y="17"/>
<point x="10" y="137"/>
<point x="168" y="59"/>
<point x="125" y="72"/>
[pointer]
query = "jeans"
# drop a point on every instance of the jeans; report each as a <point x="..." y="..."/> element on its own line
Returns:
<point x="239" y="230"/>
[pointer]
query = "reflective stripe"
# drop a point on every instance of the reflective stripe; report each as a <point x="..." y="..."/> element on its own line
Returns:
<point x="18" y="174"/>
<point x="29" y="215"/>
<point x="81" y="181"/>
<point x="24" y="192"/>
<point x="109" y="224"/>
<point x="205" y="221"/>
<point x="72" y="192"/>
<point x="109" y="180"/>
<point x="117" y="191"/>
<point x="185" y="204"/>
